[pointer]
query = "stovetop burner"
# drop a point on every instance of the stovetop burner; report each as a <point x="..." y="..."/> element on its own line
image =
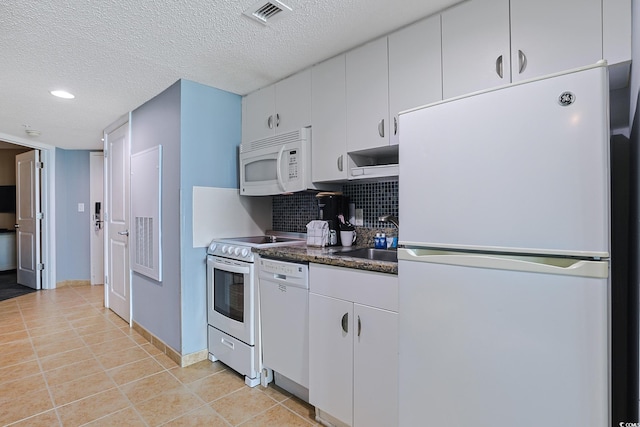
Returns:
<point x="240" y="247"/>
<point x="262" y="240"/>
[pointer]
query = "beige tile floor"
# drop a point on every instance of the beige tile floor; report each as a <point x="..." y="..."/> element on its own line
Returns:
<point x="65" y="360"/>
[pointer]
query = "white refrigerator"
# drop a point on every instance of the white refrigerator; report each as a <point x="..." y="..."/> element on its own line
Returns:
<point x="504" y="274"/>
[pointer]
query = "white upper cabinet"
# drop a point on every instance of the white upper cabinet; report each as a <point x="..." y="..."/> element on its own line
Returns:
<point x="487" y="43"/>
<point x="257" y="114"/>
<point x="329" y="116"/>
<point x="415" y="69"/>
<point x="282" y="107"/>
<point x="548" y="36"/>
<point x="389" y="75"/>
<point x="475" y="47"/>
<point x="368" y="96"/>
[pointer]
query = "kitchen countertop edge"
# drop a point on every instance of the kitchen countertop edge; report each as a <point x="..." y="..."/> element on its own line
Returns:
<point x="329" y="255"/>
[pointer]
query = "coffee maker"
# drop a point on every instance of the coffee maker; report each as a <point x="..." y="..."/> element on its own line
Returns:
<point x="330" y="206"/>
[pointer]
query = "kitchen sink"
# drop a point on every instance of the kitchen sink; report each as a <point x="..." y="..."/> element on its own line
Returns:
<point x="373" y="254"/>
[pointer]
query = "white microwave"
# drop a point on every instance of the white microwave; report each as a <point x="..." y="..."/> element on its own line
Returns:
<point x="277" y="164"/>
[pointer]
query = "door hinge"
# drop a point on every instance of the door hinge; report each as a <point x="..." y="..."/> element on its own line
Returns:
<point x="106" y="280"/>
<point x="40" y="165"/>
<point x="40" y="266"/>
<point x="39" y="215"/>
<point x="105" y="154"/>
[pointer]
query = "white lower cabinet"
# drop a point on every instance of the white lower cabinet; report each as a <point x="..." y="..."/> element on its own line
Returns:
<point x="353" y="346"/>
<point x="331" y="356"/>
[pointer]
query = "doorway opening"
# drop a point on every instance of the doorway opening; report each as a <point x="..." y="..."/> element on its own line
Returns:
<point x="9" y="149"/>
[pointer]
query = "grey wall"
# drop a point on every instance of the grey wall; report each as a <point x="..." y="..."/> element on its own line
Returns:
<point x="156" y="305"/>
<point x="73" y="228"/>
<point x="199" y="130"/>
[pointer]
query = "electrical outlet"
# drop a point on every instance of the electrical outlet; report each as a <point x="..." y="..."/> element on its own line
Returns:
<point x="359" y="218"/>
<point x="80" y="207"/>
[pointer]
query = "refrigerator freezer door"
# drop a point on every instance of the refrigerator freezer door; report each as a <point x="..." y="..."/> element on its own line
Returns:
<point x="499" y="348"/>
<point x="511" y="169"/>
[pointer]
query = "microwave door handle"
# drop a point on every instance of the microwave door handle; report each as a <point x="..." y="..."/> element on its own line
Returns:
<point x="278" y="171"/>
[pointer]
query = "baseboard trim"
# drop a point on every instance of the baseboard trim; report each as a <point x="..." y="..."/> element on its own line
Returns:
<point x="73" y="283"/>
<point x="186" y="360"/>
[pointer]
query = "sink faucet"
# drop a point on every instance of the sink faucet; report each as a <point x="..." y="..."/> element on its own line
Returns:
<point x="392" y="219"/>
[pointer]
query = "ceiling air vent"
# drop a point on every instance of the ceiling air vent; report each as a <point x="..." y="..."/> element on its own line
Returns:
<point x="267" y="12"/>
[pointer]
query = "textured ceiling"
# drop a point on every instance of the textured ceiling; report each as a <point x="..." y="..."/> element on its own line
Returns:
<point x="116" y="54"/>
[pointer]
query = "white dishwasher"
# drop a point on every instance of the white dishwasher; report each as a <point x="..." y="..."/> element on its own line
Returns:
<point x="284" y="323"/>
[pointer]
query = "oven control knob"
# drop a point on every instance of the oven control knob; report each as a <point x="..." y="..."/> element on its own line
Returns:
<point x="236" y="251"/>
<point x="245" y="252"/>
<point x="224" y="249"/>
<point x="212" y="247"/>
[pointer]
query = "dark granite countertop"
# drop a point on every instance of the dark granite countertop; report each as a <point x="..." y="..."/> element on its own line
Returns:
<point x="7" y="230"/>
<point x="333" y="255"/>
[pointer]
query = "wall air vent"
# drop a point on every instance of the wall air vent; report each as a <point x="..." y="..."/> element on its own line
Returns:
<point x="145" y="256"/>
<point x="266" y="12"/>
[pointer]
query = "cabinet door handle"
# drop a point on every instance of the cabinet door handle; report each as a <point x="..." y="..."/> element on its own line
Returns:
<point x="522" y="61"/>
<point x="381" y="128"/>
<point x="359" y="326"/>
<point x="345" y="323"/>
<point x="16" y="225"/>
<point x="499" y="66"/>
<point x="340" y="163"/>
<point x="277" y="119"/>
<point x="123" y="233"/>
<point x="395" y="125"/>
<point x="270" y="122"/>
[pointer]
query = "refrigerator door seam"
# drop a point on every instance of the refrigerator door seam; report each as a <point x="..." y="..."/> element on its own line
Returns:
<point x="533" y="264"/>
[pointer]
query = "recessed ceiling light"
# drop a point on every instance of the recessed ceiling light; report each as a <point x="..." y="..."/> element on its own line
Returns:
<point x="62" y="94"/>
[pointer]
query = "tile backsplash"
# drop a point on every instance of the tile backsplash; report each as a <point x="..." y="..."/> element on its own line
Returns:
<point x="293" y="212"/>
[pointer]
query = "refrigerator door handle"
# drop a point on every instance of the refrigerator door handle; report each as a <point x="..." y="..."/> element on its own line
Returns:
<point x="531" y="263"/>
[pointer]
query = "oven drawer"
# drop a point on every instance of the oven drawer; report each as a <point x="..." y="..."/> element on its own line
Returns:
<point x="232" y="352"/>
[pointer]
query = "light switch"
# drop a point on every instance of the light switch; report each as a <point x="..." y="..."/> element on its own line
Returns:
<point x="80" y="207"/>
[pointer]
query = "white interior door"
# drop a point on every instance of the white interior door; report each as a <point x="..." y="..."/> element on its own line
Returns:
<point x="116" y="214"/>
<point x="28" y="217"/>
<point x="96" y="189"/>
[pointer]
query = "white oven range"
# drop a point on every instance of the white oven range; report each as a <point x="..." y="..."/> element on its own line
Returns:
<point x="232" y="300"/>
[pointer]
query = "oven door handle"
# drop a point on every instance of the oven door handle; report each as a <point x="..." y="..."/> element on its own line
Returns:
<point x="231" y="267"/>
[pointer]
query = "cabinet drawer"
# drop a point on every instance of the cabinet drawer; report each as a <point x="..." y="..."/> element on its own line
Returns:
<point x="233" y="352"/>
<point x="364" y="287"/>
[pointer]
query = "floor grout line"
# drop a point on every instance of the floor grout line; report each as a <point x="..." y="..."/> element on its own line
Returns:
<point x="42" y="372"/>
<point x="75" y="313"/>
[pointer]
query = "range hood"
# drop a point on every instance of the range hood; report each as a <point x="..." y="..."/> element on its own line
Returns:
<point x="374" y="163"/>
